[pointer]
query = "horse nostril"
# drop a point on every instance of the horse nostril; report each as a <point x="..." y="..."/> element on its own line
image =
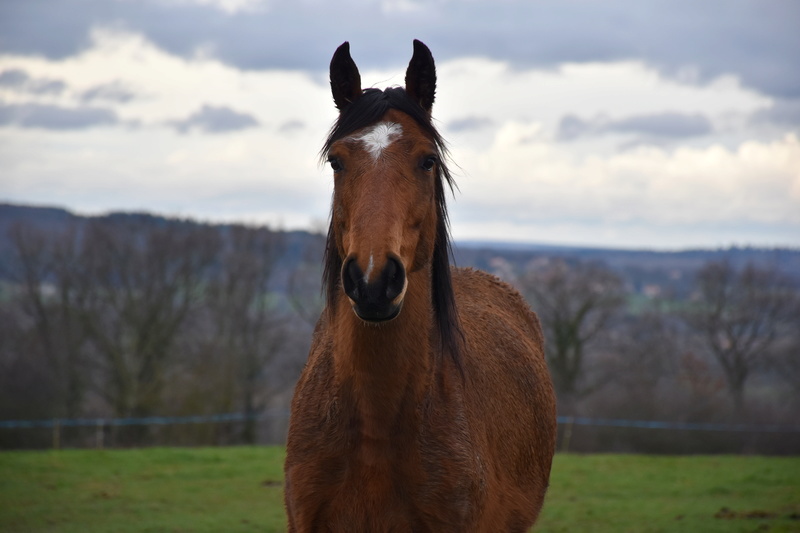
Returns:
<point x="394" y="276"/>
<point x="352" y="276"/>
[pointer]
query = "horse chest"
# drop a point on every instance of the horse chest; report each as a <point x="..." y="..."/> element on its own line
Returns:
<point x="396" y="493"/>
<point x="417" y="481"/>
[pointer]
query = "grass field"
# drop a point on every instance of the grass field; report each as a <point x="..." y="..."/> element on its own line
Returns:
<point x="181" y="490"/>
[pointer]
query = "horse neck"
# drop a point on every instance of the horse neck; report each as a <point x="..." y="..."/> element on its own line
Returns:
<point x="386" y="368"/>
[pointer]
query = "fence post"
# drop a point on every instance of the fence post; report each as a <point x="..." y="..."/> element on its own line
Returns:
<point x="567" y="434"/>
<point x="56" y="434"/>
<point x="98" y="435"/>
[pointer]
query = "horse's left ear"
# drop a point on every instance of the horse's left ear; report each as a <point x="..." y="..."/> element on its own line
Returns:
<point x="421" y="76"/>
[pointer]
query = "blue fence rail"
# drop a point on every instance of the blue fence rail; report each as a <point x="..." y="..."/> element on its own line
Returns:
<point x="690" y="426"/>
<point x="100" y="424"/>
<point x="143" y="421"/>
<point x="284" y="413"/>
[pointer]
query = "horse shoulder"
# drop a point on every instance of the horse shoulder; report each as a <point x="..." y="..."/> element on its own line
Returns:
<point x="311" y="398"/>
<point x="508" y="392"/>
<point x="488" y="298"/>
<point x="316" y="437"/>
<point x="504" y="350"/>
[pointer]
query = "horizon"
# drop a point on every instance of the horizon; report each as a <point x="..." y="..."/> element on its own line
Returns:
<point x="522" y="246"/>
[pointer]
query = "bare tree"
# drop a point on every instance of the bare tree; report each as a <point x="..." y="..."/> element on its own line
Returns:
<point x="43" y="268"/>
<point x="247" y="326"/>
<point x="136" y="284"/>
<point x="739" y="316"/>
<point x="304" y="284"/>
<point x="786" y="357"/>
<point x="575" y="304"/>
<point x="646" y="350"/>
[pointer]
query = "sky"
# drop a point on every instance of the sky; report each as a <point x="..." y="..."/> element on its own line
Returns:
<point x="652" y="124"/>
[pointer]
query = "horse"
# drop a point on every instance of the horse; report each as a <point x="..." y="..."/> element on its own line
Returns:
<point x="425" y="404"/>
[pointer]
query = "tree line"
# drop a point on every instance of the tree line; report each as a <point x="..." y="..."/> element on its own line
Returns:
<point x="135" y="316"/>
<point x="691" y="359"/>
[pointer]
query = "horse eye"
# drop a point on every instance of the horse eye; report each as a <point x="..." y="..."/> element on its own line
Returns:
<point x="428" y="163"/>
<point x="336" y="165"/>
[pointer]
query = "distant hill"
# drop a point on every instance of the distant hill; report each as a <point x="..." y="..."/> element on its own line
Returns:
<point x="640" y="268"/>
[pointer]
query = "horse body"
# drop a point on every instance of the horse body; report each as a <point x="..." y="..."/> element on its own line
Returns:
<point x="408" y="416"/>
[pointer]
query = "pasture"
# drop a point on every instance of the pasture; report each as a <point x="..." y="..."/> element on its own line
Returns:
<point x="239" y="489"/>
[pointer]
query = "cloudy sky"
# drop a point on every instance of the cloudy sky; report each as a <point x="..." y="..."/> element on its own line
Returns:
<point x="658" y="124"/>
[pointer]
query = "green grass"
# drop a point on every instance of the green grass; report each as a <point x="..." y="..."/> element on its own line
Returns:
<point x="641" y="493"/>
<point x="177" y="490"/>
<point x="239" y="489"/>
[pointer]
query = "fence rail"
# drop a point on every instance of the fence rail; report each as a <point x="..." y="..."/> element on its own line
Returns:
<point x="57" y="425"/>
<point x="690" y="426"/>
<point x="143" y="421"/>
<point x="284" y="413"/>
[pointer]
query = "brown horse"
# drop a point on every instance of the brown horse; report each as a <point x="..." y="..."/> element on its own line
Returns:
<point x="425" y="404"/>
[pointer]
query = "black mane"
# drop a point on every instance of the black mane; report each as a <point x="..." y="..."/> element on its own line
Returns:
<point x="368" y="109"/>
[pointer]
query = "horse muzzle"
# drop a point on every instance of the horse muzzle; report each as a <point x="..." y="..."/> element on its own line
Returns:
<point x="378" y="299"/>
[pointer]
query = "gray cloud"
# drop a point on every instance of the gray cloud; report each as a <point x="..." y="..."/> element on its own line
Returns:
<point x="291" y="126"/>
<point x="114" y="92"/>
<point x="215" y="119"/>
<point x="20" y="80"/>
<point x="659" y="125"/>
<point x="571" y="127"/>
<point x="780" y="113"/>
<point x="674" y="125"/>
<point x="55" y="117"/>
<point x="15" y="78"/>
<point x="758" y="41"/>
<point x="469" y="123"/>
<point x="48" y="87"/>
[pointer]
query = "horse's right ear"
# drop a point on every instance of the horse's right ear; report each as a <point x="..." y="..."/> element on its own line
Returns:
<point x="345" y="79"/>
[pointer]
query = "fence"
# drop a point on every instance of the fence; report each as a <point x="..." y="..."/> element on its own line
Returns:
<point x="613" y="434"/>
<point x="100" y="424"/>
<point x="567" y="424"/>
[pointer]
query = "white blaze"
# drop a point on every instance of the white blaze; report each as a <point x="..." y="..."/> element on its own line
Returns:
<point x="380" y="136"/>
<point x="370" y="266"/>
